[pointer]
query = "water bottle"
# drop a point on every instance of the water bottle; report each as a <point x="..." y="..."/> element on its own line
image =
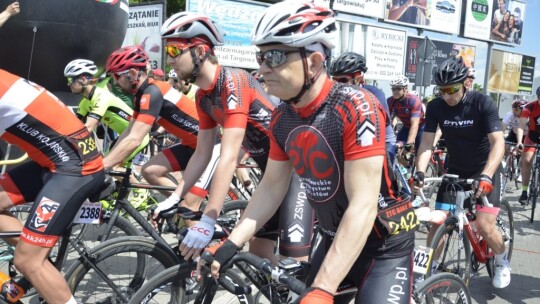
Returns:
<point x="10" y="290"/>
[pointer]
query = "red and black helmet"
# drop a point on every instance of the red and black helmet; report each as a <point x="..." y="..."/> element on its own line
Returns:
<point x="125" y="58"/>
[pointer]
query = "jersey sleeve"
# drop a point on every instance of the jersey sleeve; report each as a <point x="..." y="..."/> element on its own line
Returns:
<point x="83" y="108"/>
<point x="507" y="119"/>
<point x="493" y="123"/>
<point x="276" y="152"/>
<point x="236" y="99"/>
<point x="416" y="107"/>
<point x="205" y="121"/>
<point x="431" y="121"/>
<point x="148" y="106"/>
<point x="364" y="132"/>
<point x="100" y="104"/>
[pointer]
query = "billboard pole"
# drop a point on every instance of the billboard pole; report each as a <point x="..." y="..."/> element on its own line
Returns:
<point x="488" y="61"/>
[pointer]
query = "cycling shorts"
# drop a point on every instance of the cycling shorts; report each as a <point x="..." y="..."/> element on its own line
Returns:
<point x="57" y="199"/>
<point x="445" y="202"/>
<point x="179" y="156"/>
<point x="403" y="135"/>
<point x="378" y="280"/>
<point x="529" y="141"/>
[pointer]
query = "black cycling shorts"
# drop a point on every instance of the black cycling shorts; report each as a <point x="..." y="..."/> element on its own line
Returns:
<point x="57" y="199"/>
<point x="378" y="280"/>
<point x="445" y="202"/>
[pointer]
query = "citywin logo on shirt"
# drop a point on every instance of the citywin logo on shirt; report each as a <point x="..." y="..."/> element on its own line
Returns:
<point x="459" y="123"/>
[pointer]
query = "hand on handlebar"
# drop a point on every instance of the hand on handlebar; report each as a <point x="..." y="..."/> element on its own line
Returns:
<point x="483" y="185"/>
<point x="222" y="253"/>
<point x="197" y="238"/>
<point x="168" y="204"/>
<point x="417" y="180"/>
<point x="519" y="147"/>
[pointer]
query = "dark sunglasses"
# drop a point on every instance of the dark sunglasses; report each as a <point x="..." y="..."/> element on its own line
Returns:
<point x="274" y="58"/>
<point x="396" y="89"/>
<point x="175" y="50"/>
<point x="450" y="89"/>
<point x="117" y="76"/>
<point x="71" y="80"/>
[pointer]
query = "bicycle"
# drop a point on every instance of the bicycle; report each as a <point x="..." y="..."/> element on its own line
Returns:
<point x="458" y="258"/>
<point x="512" y="168"/>
<point x="167" y="286"/>
<point x="534" y="185"/>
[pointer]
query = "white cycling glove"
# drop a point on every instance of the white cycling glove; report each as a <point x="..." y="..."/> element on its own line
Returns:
<point x="168" y="204"/>
<point x="201" y="234"/>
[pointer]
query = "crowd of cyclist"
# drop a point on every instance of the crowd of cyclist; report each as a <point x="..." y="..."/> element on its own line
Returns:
<point x="326" y="139"/>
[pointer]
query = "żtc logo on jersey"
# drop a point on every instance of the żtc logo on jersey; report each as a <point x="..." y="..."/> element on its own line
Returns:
<point x="45" y="211"/>
<point x="315" y="162"/>
<point x="145" y="102"/>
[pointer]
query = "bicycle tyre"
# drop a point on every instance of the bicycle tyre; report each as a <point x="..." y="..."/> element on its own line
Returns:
<point x="533" y="190"/>
<point x="452" y="259"/>
<point x="429" y="291"/>
<point x="127" y="271"/>
<point x="170" y="287"/>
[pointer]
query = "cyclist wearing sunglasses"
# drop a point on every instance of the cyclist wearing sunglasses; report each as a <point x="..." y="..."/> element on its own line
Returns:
<point x="529" y="118"/>
<point x="98" y="104"/>
<point x="408" y="108"/>
<point x="473" y="135"/>
<point x="233" y="100"/>
<point x="157" y="102"/>
<point x="332" y="136"/>
<point x="350" y="68"/>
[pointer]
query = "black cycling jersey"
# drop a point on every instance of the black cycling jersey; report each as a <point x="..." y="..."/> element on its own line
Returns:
<point x="465" y="128"/>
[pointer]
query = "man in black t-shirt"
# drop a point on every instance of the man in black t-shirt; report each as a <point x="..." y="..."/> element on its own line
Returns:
<point x="470" y="124"/>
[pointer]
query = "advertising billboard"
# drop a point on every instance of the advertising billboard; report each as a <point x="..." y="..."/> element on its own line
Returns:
<point x="435" y="15"/>
<point x="144" y="29"/>
<point x="368" y="8"/>
<point x="500" y="21"/>
<point x="442" y="51"/>
<point x="384" y="49"/>
<point x="511" y="73"/>
<point x="237" y="18"/>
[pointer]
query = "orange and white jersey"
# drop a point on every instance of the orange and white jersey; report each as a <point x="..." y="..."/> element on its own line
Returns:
<point x="41" y="125"/>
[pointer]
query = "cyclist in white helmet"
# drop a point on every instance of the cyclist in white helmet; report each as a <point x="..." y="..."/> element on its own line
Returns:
<point x="332" y="135"/>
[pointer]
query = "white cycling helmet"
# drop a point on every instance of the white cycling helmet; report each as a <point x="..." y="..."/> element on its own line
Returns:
<point x="80" y="66"/>
<point x="295" y="24"/>
<point x="399" y="81"/>
<point x="189" y="25"/>
<point x="172" y="74"/>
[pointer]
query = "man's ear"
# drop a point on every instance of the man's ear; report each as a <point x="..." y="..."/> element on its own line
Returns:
<point x="317" y="62"/>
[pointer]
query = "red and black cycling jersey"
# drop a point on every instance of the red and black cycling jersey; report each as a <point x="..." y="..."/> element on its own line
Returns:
<point x="42" y="126"/>
<point x="531" y="111"/>
<point x="158" y="101"/>
<point x="465" y="128"/>
<point x="406" y="108"/>
<point x="343" y="123"/>
<point x="237" y="100"/>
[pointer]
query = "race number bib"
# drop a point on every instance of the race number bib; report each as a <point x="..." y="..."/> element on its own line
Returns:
<point x="140" y="159"/>
<point x="399" y="218"/>
<point x="89" y="213"/>
<point x="422" y="259"/>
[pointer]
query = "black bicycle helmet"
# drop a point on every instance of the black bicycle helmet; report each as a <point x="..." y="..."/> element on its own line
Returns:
<point x="451" y="71"/>
<point x="348" y="63"/>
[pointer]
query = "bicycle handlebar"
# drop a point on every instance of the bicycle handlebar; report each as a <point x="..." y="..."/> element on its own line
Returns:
<point x="277" y="274"/>
<point x="454" y="179"/>
<point x="14" y="161"/>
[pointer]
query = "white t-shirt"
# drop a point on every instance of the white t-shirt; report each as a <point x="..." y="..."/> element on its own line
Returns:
<point x="512" y="121"/>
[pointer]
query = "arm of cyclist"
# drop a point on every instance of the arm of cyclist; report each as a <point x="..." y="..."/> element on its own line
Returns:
<point x="495" y="157"/>
<point x="197" y="239"/>
<point x="423" y="155"/>
<point x="91" y="123"/>
<point x="263" y="204"/>
<point x="413" y="130"/>
<point x="519" y="134"/>
<point x="129" y="140"/>
<point x="357" y="221"/>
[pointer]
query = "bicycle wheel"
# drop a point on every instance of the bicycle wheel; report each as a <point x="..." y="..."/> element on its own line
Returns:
<point x="451" y="259"/>
<point x="442" y="288"/>
<point x="231" y="213"/>
<point x="505" y="226"/>
<point x="177" y="285"/>
<point x="126" y="262"/>
<point x="533" y="192"/>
